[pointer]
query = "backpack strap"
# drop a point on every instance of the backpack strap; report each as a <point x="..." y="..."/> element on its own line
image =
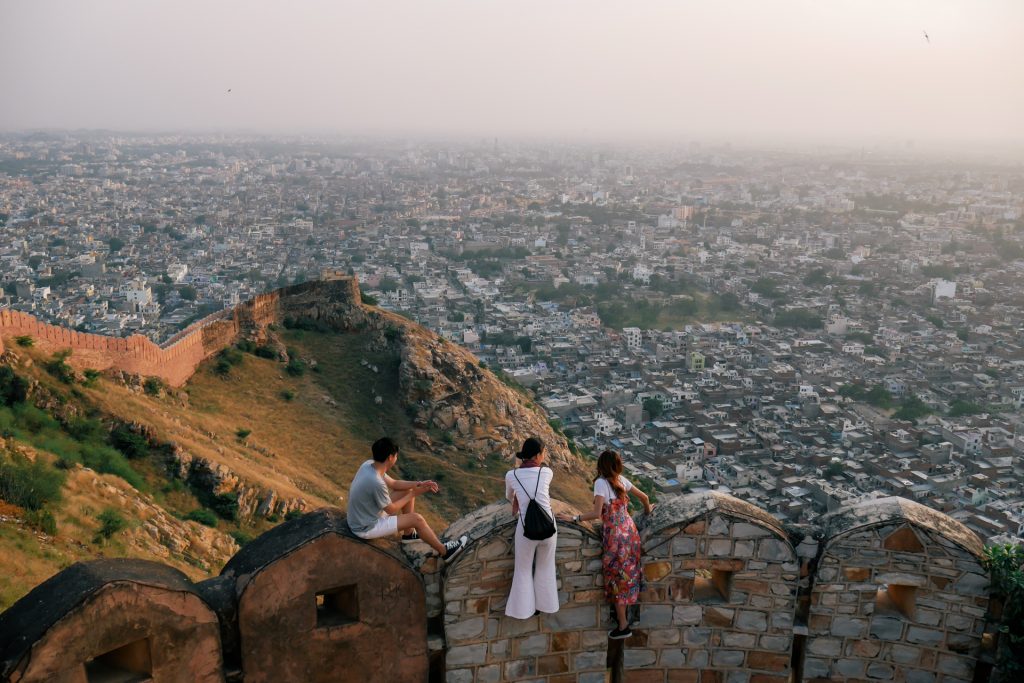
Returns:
<point x="540" y="471"/>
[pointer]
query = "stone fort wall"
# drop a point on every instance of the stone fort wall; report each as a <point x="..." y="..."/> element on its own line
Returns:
<point x="885" y="590"/>
<point x="176" y="360"/>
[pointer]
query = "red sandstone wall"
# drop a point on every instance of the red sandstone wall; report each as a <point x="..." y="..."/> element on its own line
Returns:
<point x="173" y="362"/>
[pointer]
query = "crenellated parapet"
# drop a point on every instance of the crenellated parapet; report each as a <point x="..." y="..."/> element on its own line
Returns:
<point x="895" y="592"/>
<point x="899" y="594"/>
<point x="336" y="303"/>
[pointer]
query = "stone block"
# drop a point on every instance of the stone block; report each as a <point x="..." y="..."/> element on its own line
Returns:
<point x="855" y="573"/>
<point x="848" y="628"/>
<point x="672" y="659"/>
<point x="774" y="550"/>
<point x="652" y="616"/>
<point x="825" y="647"/>
<point x="462" y="655"/>
<point x="744" y="641"/>
<point x="746" y="530"/>
<point x="696" y="636"/>
<point x="684" y="545"/>
<point x="971" y="584"/>
<point x="815" y="668"/>
<point x="751" y="621"/>
<point x="687" y="614"/>
<point x="727" y="658"/>
<point x="589" y="661"/>
<point x="768" y="661"/>
<point x="466" y="629"/>
<point x="776" y="643"/>
<point x="488" y="674"/>
<point x="953" y="665"/>
<point x="459" y="676"/>
<point x="566" y="640"/>
<point x="719" y="526"/>
<point x="660" y="637"/>
<point x="924" y="636"/>
<point x="552" y="664"/>
<point x="718" y="616"/>
<point x="635" y="659"/>
<point x="518" y="669"/>
<point x="880" y="671"/>
<point x="656" y="571"/>
<point x="571" y="618"/>
<point x="887" y="628"/>
<point x="918" y="676"/>
<point x="537" y="644"/>
<point x="720" y="548"/>
<point x="737" y="677"/>
<point x="849" y="668"/>
<point x="696" y="528"/>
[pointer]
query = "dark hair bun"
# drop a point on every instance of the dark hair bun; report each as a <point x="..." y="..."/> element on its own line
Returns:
<point x="531" y="448"/>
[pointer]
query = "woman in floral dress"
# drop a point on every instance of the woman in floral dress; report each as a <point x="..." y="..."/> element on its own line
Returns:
<point x="620" y="560"/>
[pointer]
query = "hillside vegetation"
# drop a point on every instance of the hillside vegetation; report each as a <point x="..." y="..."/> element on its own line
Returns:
<point x="261" y="432"/>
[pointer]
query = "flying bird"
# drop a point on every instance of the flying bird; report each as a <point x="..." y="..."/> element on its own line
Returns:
<point x="925" y="37"/>
<point x="229" y="89"/>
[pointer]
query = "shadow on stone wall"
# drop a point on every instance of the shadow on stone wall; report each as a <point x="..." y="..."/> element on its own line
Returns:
<point x="894" y="591"/>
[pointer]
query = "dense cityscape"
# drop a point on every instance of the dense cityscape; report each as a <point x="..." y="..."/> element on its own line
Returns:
<point x="798" y="329"/>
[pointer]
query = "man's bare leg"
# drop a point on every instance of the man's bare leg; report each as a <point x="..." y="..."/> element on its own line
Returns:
<point x="408" y="509"/>
<point x="414" y="520"/>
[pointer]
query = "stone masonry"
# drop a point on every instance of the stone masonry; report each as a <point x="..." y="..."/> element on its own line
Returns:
<point x="486" y="646"/>
<point x="895" y="593"/>
<point x="720" y="597"/>
<point x="899" y="595"/>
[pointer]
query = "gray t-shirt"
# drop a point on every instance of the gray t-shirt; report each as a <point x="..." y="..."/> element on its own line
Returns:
<point x="367" y="498"/>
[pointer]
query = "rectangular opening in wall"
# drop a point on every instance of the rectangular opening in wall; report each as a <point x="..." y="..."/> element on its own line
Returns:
<point x="711" y="586"/>
<point x="896" y="601"/>
<point x="131" y="663"/>
<point x="337" y="606"/>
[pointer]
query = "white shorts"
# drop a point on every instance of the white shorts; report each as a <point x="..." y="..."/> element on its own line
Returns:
<point x="385" y="526"/>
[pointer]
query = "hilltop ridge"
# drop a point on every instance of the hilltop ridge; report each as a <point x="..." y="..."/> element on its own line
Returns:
<point x="290" y="391"/>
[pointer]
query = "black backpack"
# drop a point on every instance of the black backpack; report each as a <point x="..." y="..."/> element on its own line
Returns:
<point x="537" y="524"/>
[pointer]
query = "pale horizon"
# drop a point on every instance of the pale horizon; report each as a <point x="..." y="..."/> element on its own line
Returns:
<point x="750" y="72"/>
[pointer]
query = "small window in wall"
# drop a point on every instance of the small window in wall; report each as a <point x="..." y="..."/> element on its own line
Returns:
<point x="131" y="663"/>
<point x="337" y="606"/>
<point x="711" y="586"/>
<point x="896" y="601"/>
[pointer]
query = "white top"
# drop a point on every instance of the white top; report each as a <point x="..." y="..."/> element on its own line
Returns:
<point x="528" y="478"/>
<point x="603" y="488"/>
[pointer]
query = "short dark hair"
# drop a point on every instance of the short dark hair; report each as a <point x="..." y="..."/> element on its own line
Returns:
<point x="531" y="448"/>
<point x="384" y="449"/>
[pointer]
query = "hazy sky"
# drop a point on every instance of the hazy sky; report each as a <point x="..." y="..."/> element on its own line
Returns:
<point x="858" y="70"/>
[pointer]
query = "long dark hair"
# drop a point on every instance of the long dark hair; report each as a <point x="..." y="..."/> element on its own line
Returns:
<point x="609" y="466"/>
<point x="532" y="447"/>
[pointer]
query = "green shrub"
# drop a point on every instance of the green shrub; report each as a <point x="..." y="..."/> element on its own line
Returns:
<point x="293" y="514"/>
<point x="241" y="538"/>
<point x="241" y="434"/>
<point x="288" y="395"/>
<point x="25" y="341"/>
<point x="203" y="516"/>
<point x="58" y="367"/>
<point x="225" y="506"/>
<point x="13" y="388"/>
<point x="42" y="520"/>
<point x="91" y="377"/>
<point x="33" y="419"/>
<point x="111" y="522"/>
<point x="1005" y="564"/>
<point x="296" y="367"/>
<point x="266" y="352"/>
<point x="30" y="485"/>
<point x="128" y="442"/>
<point x="246" y="345"/>
<point x="85" y="429"/>
<point x="153" y="386"/>
<point x="106" y="460"/>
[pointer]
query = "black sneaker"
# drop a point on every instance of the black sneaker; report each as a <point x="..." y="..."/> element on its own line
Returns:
<point x="453" y="548"/>
<point x="409" y="538"/>
<point x="620" y="634"/>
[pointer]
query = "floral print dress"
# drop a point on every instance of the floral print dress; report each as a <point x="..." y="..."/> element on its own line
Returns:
<point x="620" y="561"/>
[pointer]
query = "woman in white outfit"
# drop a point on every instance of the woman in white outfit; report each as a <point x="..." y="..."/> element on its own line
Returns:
<point x="534" y="588"/>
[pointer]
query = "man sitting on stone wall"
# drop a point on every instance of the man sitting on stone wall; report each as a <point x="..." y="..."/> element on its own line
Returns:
<point x="372" y="513"/>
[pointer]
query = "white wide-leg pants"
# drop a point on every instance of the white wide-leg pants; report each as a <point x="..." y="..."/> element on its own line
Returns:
<point x="533" y="589"/>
